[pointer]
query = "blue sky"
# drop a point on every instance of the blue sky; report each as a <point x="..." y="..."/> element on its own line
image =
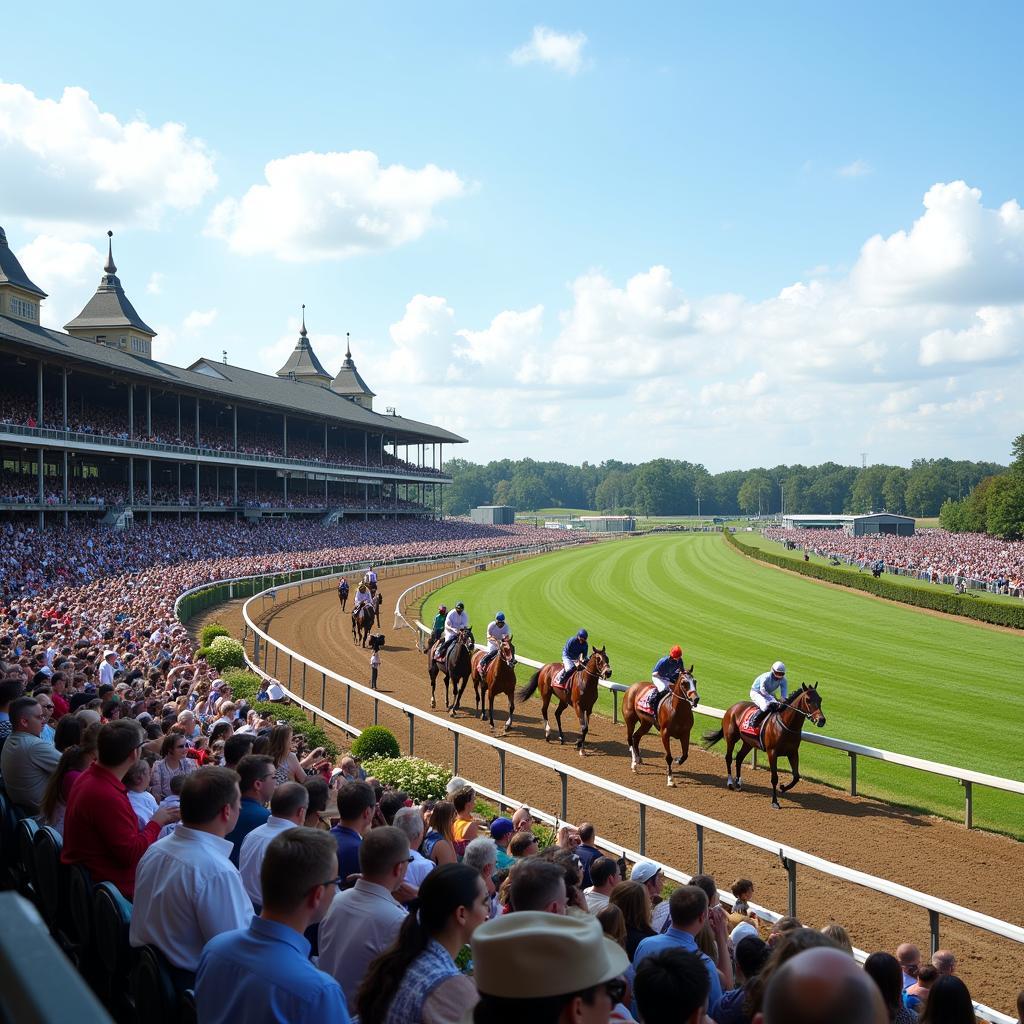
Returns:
<point x="570" y="235"/>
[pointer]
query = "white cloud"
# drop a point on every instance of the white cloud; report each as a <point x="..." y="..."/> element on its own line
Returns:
<point x="856" y="169"/>
<point x="199" y="320"/>
<point x="155" y="284"/>
<point x="329" y="206"/>
<point x="67" y="271"/>
<point x="559" y="50"/>
<point x="423" y="343"/>
<point x="996" y="334"/>
<point x="67" y="162"/>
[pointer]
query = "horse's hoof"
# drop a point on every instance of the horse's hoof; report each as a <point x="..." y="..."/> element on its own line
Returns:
<point x="776" y="805"/>
<point x="728" y="783"/>
<point x="433" y="703"/>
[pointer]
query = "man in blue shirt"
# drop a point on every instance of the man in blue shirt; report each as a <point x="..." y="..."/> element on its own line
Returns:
<point x="576" y="647"/>
<point x="356" y="804"/>
<point x="257" y="783"/>
<point x="688" y="910"/>
<point x="262" y="974"/>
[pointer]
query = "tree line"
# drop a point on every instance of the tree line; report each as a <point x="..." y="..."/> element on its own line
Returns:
<point x="665" y="487"/>
<point x="995" y="505"/>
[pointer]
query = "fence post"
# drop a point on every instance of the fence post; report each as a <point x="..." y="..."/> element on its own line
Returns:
<point x="501" y="772"/>
<point x="853" y="774"/>
<point x="643" y="830"/>
<point x="276" y="653"/>
<point x="323" y="689"/>
<point x="700" y="849"/>
<point x="565" y="795"/>
<point x="615" y="707"/>
<point x="348" y="704"/>
<point x="375" y="709"/>
<point x="968" y="803"/>
<point x="289" y="671"/>
<point x="303" y="680"/>
<point x="412" y="732"/>
<point x="790" y="866"/>
<point x="455" y="756"/>
<point x="933" y="928"/>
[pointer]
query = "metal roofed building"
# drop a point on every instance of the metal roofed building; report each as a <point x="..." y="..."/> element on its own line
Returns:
<point x="90" y="411"/>
<point x="493" y="515"/>
<point x="856" y="525"/>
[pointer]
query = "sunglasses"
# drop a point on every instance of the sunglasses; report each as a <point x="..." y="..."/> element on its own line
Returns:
<point x="616" y="989"/>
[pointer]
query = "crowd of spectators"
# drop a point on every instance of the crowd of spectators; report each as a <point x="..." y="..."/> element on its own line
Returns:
<point x="963" y="560"/>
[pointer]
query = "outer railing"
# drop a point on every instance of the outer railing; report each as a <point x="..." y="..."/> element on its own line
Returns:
<point x="790" y="856"/>
<point x="966" y="777"/>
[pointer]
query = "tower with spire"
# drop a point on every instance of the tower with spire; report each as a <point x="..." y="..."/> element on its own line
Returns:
<point x="109" y="318"/>
<point x="19" y="296"/>
<point x="348" y="383"/>
<point x="303" y="364"/>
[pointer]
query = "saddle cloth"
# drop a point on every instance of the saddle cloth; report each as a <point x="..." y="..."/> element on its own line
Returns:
<point x="645" y="701"/>
<point x="753" y="733"/>
<point x="563" y="688"/>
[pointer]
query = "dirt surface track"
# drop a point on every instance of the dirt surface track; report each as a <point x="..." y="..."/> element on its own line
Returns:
<point x="974" y="869"/>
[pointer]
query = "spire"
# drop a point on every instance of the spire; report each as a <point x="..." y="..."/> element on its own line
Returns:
<point x="348" y="383"/>
<point x="12" y="273"/>
<point x="110" y="268"/>
<point x="348" y="347"/>
<point x="303" y="364"/>
<point x="303" y="331"/>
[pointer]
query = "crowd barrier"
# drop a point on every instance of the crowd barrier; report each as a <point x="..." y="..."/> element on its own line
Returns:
<point x="790" y="857"/>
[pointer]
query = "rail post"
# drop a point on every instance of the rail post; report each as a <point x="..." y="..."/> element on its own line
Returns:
<point x="700" y="849"/>
<point x="565" y="795"/>
<point x="376" y="709"/>
<point x="256" y="648"/>
<point x="615" y="707"/>
<point x="790" y="866"/>
<point x="501" y="772"/>
<point x="968" y="803"/>
<point x="643" y="830"/>
<point x="933" y="929"/>
<point x="455" y="754"/>
<point x="348" y="704"/>
<point x="323" y="689"/>
<point x="277" y="651"/>
<point x="304" y="681"/>
<point x="853" y="773"/>
<point x="412" y="732"/>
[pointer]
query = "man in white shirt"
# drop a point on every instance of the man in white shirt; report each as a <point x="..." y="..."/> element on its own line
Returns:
<point x="186" y="888"/>
<point x="108" y="668"/>
<point x="410" y="821"/>
<point x="604" y="873"/>
<point x="288" y="808"/>
<point x="455" y="620"/>
<point x="364" y="921"/>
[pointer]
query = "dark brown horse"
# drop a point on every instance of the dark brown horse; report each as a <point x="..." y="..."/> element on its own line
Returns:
<point x="675" y="718"/>
<point x="580" y="691"/>
<point x="362" y="622"/>
<point x="781" y="736"/>
<point x="456" y="668"/>
<point x="378" y="600"/>
<point x="499" y="677"/>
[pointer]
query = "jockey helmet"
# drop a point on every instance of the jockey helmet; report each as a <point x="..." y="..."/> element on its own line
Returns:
<point x="441" y="608"/>
<point x="582" y="634"/>
<point x="459" y="607"/>
<point x="500" y="617"/>
<point x="676" y="652"/>
<point x="778" y="669"/>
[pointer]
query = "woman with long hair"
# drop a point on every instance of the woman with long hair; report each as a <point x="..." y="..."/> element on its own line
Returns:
<point x="613" y="923"/>
<point x="632" y="899"/>
<point x="316" y="812"/>
<point x="885" y="970"/>
<point x="948" y="1002"/>
<point x="286" y="764"/>
<point x="173" y="761"/>
<point x="439" y="842"/>
<point x="416" y="980"/>
<point x="72" y="763"/>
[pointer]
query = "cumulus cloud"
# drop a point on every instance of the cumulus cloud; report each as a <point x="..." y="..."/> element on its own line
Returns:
<point x="996" y="334"/>
<point x="559" y="50"/>
<point x="67" y="162"/>
<point x="67" y="271"/>
<point x="330" y="206"/>
<point x="199" y="320"/>
<point x="855" y="169"/>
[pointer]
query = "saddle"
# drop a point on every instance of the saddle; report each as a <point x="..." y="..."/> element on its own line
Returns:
<point x="753" y="733"/>
<point x="646" y="701"/>
<point x="564" y="687"/>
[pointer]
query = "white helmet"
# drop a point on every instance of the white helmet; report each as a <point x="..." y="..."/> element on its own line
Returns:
<point x="779" y="669"/>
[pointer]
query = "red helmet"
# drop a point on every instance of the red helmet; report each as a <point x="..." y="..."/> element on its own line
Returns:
<point x="441" y="608"/>
<point x="676" y="652"/>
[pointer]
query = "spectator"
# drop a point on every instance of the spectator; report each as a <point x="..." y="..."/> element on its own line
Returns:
<point x="523" y="820"/>
<point x="43" y="695"/>
<point x="587" y="852"/>
<point x="286" y="764"/>
<point x="73" y="762"/>
<point x="417" y="979"/>
<point x="482" y="856"/>
<point x="502" y="831"/>
<point x="948" y="1002"/>
<point x="187" y="890"/>
<point x="439" y="842"/>
<point x="264" y="971"/>
<point x="464" y="827"/>
<point x="316" y="816"/>
<point x="136" y="781"/>
<point x="743" y="891"/>
<point x="884" y="968"/>
<point x="287" y="810"/>
<point x="257" y="782"/>
<point x="236" y="747"/>
<point x="632" y="899"/>
<point x="537" y="885"/>
<point x="68" y="732"/>
<point x="10" y="689"/>
<point x="651" y="877"/>
<point x="356" y="804"/>
<point x="914" y="996"/>
<point x="390" y="802"/>
<point x="671" y="987"/>
<point x="821" y="986"/>
<point x="173" y="761"/>
<point x="944" y="962"/>
<point x="364" y="921"/>
<point x="454" y="784"/>
<point x="604" y="874"/>
<point x="27" y="760"/>
<point x="523" y="844"/>
<point x="840" y="936"/>
<point x="714" y="938"/>
<point x="751" y="955"/>
<point x="787" y="945"/>
<point x="513" y="957"/>
<point x="410" y="821"/>
<point x="783" y="927"/>
<point x="909" y="958"/>
<point x="613" y="923"/>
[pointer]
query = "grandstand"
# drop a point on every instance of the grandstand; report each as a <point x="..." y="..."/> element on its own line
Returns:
<point x="92" y="426"/>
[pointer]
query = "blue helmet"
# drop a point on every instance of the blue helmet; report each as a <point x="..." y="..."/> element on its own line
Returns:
<point x="582" y="634"/>
<point x="499" y="617"/>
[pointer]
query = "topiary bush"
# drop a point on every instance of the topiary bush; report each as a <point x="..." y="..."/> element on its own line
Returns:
<point x="224" y="652"/>
<point x="422" y="780"/>
<point x="245" y="685"/>
<point x="210" y="632"/>
<point x="376" y="741"/>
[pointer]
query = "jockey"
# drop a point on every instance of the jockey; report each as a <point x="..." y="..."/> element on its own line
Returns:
<point x="665" y="673"/>
<point x="576" y="647"/>
<point x="497" y="630"/>
<point x="455" y="620"/>
<point x="363" y="596"/>
<point x="370" y="579"/>
<point x="762" y="693"/>
<point x="343" y="587"/>
<point x="438" y="627"/>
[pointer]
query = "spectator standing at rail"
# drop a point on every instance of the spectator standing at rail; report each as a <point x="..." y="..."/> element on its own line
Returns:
<point x="604" y="875"/>
<point x="651" y="877"/>
<point x="374" y="668"/>
<point x="915" y="996"/>
<point x="356" y="804"/>
<point x="502" y="830"/>
<point x="909" y="958"/>
<point x="944" y="961"/>
<point x="587" y="852"/>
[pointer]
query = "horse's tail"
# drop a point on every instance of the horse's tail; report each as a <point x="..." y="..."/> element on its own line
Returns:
<point x="709" y="739"/>
<point x="525" y="692"/>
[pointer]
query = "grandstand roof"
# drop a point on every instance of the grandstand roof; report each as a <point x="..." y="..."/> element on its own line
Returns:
<point x="11" y="271"/>
<point x="303" y="364"/>
<point x="217" y="381"/>
<point x="109" y="307"/>
<point x="348" y="381"/>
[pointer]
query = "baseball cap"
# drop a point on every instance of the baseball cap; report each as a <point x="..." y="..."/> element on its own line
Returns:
<point x="275" y="691"/>
<point x="644" y="871"/>
<point x="501" y="827"/>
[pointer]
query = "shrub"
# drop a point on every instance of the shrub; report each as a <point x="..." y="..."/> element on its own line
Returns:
<point x="301" y="726"/>
<point x="210" y="632"/>
<point x="376" y="741"/>
<point x="223" y="653"/>
<point x="422" y="780"/>
<point x="245" y="685"/>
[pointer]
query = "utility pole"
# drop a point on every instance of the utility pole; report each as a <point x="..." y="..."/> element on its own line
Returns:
<point x="863" y="460"/>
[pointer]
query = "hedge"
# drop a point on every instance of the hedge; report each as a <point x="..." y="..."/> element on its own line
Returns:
<point x="375" y="741"/>
<point x="936" y="600"/>
<point x="422" y="780"/>
<point x="223" y="652"/>
<point x="210" y="632"/>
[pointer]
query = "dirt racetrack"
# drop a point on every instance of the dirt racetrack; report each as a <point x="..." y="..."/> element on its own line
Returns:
<point x="971" y="868"/>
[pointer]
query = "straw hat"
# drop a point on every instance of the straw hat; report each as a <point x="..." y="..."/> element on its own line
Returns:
<point x="513" y="955"/>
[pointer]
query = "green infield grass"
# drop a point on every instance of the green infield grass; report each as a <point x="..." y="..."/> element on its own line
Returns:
<point x="890" y="677"/>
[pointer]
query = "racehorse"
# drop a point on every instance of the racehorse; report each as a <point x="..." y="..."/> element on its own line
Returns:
<point x="499" y="677"/>
<point x="343" y="598"/>
<point x="675" y="718"/>
<point x="580" y="690"/>
<point x="780" y="735"/>
<point x="378" y="600"/>
<point x="362" y="622"/>
<point x="456" y="668"/>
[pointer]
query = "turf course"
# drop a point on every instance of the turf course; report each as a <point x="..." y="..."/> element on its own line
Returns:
<point x="890" y="677"/>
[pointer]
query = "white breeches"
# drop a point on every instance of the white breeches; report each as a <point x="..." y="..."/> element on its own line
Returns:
<point x="760" y="699"/>
<point x="567" y="663"/>
<point x="661" y="685"/>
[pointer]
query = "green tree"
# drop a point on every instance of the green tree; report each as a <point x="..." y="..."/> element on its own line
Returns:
<point x="1006" y="507"/>
<point x="867" y="494"/>
<point x="894" y="490"/>
<point x="755" y="493"/>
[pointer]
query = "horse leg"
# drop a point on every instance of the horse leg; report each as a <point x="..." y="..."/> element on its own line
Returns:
<point x="584" y="718"/>
<point x="642" y="729"/>
<point x="794" y="766"/>
<point x="433" y="683"/>
<point x="511" y="708"/>
<point x="546" y="694"/>
<point x="729" y="744"/>
<point x="558" y="719"/>
<point x="774" y="765"/>
<point x="666" y="742"/>
<point x="490" y="708"/>
<point x="739" y="764"/>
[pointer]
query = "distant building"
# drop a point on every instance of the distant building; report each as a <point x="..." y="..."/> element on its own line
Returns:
<point x="493" y="515"/>
<point x="592" y="524"/>
<point x="871" y="523"/>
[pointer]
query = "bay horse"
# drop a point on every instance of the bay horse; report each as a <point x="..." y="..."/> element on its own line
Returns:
<point x="362" y="622"/>
<point x="781" y="735"/>
<point x="675" y="718"/>
<point x="378" y="600"/>
<point x="498" y="678"/>
<point x="456" y="668"/>
<point x="580" y="690"/>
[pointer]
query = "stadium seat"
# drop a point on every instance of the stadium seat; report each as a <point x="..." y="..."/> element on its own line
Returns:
<point x="7" y="844"/>
<point x="152" y="988"/>
<point x="188" y="1007"/>
<point x="50" y="876"/>
<point x="24" y="837"/>
<point x="80" y="905"/>
<point x="112" y="916"/>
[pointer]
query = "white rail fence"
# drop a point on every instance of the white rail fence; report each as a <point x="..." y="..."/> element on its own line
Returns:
<point x="966" y="777"/>
<point x="790" y="857"/>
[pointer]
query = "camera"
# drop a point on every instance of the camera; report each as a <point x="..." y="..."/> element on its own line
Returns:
<point x="376" y="641"/>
